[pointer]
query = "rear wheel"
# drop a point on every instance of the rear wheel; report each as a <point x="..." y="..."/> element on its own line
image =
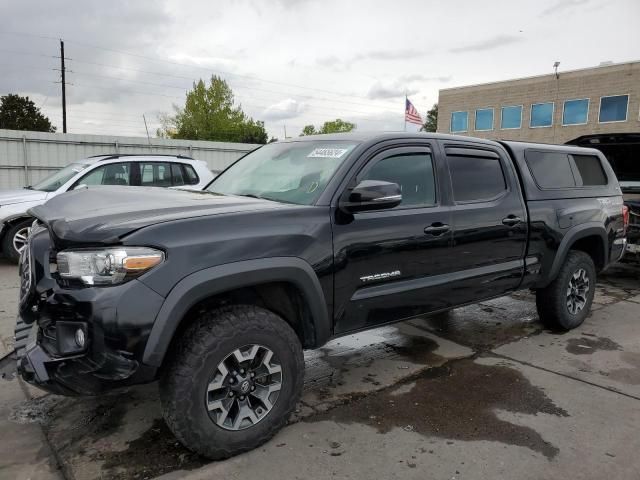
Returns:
<point x="566" y="302"/>
<point x="233" y="380"/>
<point x="15" y="240"/>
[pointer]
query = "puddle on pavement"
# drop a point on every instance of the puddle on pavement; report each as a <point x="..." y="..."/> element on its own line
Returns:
<point x="624" y="276"/>
<point x="325" y="367"/>
<point x="484" y="327"/>
<point x="587" y="345"/>
<point x="456" y="402"/>
<point x="154" y="453"/>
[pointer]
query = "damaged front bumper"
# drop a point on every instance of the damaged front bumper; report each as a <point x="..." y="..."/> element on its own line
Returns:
<point x="80" y="341"/>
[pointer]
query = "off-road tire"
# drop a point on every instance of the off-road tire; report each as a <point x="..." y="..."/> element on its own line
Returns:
<point x="551" y="301"/>
<point x="196" y="355"/>
<point x="7" y="241"/>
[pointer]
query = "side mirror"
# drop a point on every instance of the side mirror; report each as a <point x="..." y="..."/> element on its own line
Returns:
<point x="371" y="195"/>
<point x="81" y="186"/>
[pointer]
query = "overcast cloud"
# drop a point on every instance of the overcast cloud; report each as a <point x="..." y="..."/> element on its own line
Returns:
<point x="293" y="62"/>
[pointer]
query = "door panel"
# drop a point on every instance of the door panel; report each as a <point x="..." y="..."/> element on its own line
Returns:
<point x="489" y="224"/>
<point x="378" y="251"/>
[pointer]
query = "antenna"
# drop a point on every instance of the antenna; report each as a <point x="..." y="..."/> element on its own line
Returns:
<point x="556" y="64"/>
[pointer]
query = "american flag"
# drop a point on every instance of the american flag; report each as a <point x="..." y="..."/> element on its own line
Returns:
<point x="411" y="115"/>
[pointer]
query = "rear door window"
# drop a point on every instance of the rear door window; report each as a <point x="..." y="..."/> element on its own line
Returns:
<point x="476" y="175"/>
<point x="155" y="174"/>
<point x="550" y="169"/>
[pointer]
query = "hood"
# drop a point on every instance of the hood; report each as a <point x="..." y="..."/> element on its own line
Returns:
<point x="8" y="197"/>
<point x="105" y="214"/>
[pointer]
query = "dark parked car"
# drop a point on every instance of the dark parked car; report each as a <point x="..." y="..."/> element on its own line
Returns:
<point x="217" y="293"/>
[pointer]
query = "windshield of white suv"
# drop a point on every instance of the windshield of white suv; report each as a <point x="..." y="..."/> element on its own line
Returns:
<point x="56" y="180"/>
<point x="295" y="172"/>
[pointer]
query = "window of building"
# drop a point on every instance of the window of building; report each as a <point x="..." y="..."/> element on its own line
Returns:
<point x="575" y="112"/>
<point x="511" y="117"/>
<point x="590" y="170"/>
<point x="475" y="178"/>
<point x="613" y="109"/>
<point x="459" y="121"/>
<point x="484" y="119"/>
<point x="550" y="169"/>
<point x="413" y="172"/>
<point x="541" y="115"/>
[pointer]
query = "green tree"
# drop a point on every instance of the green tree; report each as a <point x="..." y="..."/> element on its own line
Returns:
<point x="335" y="126"/>
<point x="431" y="122"/>
<point x="20" y="113"/>
<point x="308" y="130"/>
<point x="210" y="113"/>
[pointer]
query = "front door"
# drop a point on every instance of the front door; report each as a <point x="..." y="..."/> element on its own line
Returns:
<point x="382" y="256"/>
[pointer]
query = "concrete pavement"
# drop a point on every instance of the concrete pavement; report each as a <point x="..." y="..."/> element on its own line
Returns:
<point x="484" y="392"/>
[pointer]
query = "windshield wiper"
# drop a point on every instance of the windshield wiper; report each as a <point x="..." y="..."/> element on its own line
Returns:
<point x="28" y="187"/>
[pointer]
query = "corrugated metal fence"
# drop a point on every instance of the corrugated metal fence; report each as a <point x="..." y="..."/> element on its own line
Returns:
<point x="27" y="157"/>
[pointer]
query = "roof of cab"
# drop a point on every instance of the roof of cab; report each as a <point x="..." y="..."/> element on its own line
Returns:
<point x="374" y="136"/>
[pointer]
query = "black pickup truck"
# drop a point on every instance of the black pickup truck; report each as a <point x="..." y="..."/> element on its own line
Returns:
<point x="217" y="293"/>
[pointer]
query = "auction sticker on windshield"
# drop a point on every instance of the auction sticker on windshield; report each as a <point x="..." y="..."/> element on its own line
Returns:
<point x="328" y="153"/>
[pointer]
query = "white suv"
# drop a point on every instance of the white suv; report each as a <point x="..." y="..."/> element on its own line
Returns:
<point x="133" y="170"/>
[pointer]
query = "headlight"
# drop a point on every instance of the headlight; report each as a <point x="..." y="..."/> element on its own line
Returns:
<point x="108" y="266"/>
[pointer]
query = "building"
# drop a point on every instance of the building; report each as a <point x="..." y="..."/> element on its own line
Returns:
<point x="547" y="108"/>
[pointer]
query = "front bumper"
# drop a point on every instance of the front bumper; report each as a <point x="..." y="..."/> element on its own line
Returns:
<point x="115" y="320"/>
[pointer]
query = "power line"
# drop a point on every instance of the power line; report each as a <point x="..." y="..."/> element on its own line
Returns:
<point x="208" y="69"/>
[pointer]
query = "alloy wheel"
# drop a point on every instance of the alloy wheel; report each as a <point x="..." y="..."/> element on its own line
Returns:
<point x="244" y="387"/>
<point x="577" y="291"/>
<point x="20" y="239"/>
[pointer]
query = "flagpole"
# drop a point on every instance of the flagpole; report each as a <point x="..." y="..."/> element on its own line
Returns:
<point x="405" y="111"/>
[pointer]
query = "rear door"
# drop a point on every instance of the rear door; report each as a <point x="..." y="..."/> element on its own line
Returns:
<point x="489" y="222"/>
<point x="381" y="257"/>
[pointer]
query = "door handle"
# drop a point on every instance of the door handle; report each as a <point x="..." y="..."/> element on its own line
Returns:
<point x="511" y="220"/>
<point x="437" y="229"/>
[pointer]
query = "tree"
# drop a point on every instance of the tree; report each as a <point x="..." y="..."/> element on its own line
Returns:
<point x="336" y="126"/>
<point x="210" y="113"/>
<point x="20" y="113"/>
<point x="431" y="122"/>
<point x="308" y="130"/>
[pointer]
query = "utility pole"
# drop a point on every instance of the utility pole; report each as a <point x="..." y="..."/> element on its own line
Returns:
<point x="285" y="131"/>
<point x="147" y="129"/>
<point x="64" y="93"/>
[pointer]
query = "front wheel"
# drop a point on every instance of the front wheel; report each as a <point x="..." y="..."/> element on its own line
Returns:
<point x="15" y="240"/>
<point x="233" y="380"/>
<point x="566" y="302"/>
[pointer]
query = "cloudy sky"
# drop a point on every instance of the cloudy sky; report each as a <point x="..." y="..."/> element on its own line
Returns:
<point x="293" y="62"/>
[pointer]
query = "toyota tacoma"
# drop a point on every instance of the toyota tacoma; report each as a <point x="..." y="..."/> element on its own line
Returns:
<point x="216" y="293"/>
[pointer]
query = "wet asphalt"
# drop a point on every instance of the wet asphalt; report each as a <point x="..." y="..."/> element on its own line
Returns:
<point x="481" y="392"/>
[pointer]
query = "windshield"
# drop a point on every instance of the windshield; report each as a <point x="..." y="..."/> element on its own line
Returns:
<point x="56" y="180"/>
<point x="295" y="172"/>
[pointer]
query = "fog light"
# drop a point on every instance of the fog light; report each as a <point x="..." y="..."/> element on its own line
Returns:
<point x="80" y="339"/>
